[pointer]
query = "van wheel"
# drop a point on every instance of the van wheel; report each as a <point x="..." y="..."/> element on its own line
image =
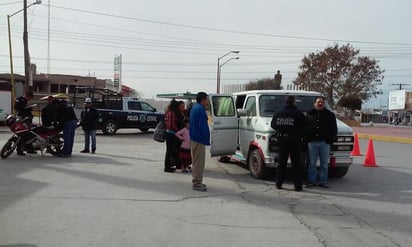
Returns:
<point x="338" y="172"/>
<point x="109" y="128"/>
<point x="257" y="167"/>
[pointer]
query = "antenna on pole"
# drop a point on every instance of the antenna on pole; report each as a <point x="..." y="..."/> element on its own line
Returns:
<point x="400" y="85"/>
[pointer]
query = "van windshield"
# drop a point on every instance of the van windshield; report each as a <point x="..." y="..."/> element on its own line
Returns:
<point x="270" y="104"/>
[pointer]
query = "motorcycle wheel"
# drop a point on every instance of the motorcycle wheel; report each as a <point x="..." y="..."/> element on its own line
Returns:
<point x="9" y="147"/>
<point x="55" y="145"/>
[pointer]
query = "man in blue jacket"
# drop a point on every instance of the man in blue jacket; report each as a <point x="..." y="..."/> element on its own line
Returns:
<point x="200" y="138"/>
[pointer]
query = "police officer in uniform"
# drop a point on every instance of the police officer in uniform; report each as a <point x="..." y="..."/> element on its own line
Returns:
<point x="289" y="124"/>
<point x="23" y="110"/>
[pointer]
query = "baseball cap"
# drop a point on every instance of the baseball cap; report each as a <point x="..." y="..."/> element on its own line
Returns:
<point x="88" y="100"/>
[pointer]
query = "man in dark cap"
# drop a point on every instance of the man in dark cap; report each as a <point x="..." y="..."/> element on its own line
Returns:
<point x="89" y="120"/>
<point x="200" y="137"/>
<point x="289" y="124"/>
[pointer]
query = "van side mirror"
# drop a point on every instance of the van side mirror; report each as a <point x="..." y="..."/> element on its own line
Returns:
<point x="154" y="110"/>
<point x="241" y="112"/>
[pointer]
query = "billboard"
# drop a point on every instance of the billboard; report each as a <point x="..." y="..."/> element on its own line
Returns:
<point x="397" y="100"/>
<point x="117" y="77"/>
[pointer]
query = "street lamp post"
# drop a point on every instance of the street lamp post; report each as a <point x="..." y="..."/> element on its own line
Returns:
<point x="219" y="66"/>
<point x="12" y="82"/>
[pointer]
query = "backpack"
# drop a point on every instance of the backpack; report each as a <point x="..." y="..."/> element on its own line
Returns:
<point x="159" y="134"/>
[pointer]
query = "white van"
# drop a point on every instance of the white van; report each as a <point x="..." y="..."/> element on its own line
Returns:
<point x="241" y="127"/>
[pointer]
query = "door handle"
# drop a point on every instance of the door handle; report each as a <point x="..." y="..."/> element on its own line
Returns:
<point x="217" y="122"/>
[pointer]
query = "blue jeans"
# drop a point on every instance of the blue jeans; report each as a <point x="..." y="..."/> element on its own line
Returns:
<point x="89" y="134"/>
<point x="318" y="149"/>
<point x="69" y="130"/>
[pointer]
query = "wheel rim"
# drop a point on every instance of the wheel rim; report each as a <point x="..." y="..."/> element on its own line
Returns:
<point x="254" y="164"/>
<point x="8" y="148"/>
<point x="57" y="145"/>
<point x="110" y="127"/>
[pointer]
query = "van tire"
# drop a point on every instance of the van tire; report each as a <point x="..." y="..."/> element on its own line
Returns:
<point x="109" y="127"/>
<point x="257" y="167"/>
<point x="338" y="172"/>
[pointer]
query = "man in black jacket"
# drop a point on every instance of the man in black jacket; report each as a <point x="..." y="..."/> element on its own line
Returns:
<point x="68" y="121"/>
<point x="322" y="131"/>
<point x="48" y="113"/>
<point x="89" y="119"/>
<point x="289" y="124"/>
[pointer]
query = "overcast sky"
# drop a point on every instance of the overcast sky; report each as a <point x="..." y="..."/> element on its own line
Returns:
<point x="163" y="58"/>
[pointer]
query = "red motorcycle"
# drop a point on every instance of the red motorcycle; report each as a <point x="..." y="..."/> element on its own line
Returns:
<point x="31" y="137"/>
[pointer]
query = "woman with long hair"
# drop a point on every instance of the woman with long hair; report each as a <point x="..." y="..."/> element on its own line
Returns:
<point x="172" y="142"/>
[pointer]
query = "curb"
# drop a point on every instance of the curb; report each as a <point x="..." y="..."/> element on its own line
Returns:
<point x="386" y="138"/>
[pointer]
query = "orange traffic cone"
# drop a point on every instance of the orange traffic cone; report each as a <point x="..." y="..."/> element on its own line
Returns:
<point x="356" y="149"/>
<point x="370" y="156"/>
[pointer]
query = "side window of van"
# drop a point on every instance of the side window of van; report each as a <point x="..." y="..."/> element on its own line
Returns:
<point x="223" y="106"/>
<point x="240" y="100"/>
<point x="270" y="104"/>
<point x="251" y="106"/>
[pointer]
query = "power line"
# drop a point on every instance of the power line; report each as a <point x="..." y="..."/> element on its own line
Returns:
<point x="2" y="4"/>
<point x="400" y="85"/>
<point x="188" y="64"/>
<point x="187" y="78"/>
<point x="226" y="30"/>
<point x="201" y="46"/>
<point x="186" y="50"/>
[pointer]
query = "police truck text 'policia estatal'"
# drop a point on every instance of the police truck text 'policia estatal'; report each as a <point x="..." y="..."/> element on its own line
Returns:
<point x="285" y="121"/>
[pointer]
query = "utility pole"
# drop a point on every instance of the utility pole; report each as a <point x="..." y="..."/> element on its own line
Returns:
<point x="400" y="85"/>
<point x="26" y="48"/>
<point x="48" y="40"/>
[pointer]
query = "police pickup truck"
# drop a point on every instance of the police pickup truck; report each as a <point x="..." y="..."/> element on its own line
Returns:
<point x="126" y="113"/>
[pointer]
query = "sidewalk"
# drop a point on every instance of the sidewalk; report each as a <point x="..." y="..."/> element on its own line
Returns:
<point x="389" y="133"/>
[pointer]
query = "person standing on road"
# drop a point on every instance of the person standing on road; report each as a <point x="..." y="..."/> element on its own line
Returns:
<point x="68" y="120"/>
<point x="24" y="111"/>
<point x="48" y="113"/>
<point x="322" y="131"/>
<point x="200" y="138"/>
<point x="21" y="106"/>
<point x="181" y="114"/>
<point x="89" y="119"/>
<point x="289" y="124"/>
<point x="172" y="142"/>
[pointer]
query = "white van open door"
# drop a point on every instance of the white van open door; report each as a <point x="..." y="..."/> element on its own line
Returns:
<point x="223" y="125"/>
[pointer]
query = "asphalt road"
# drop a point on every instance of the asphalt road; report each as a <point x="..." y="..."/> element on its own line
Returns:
<point x="121" y="197"/>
